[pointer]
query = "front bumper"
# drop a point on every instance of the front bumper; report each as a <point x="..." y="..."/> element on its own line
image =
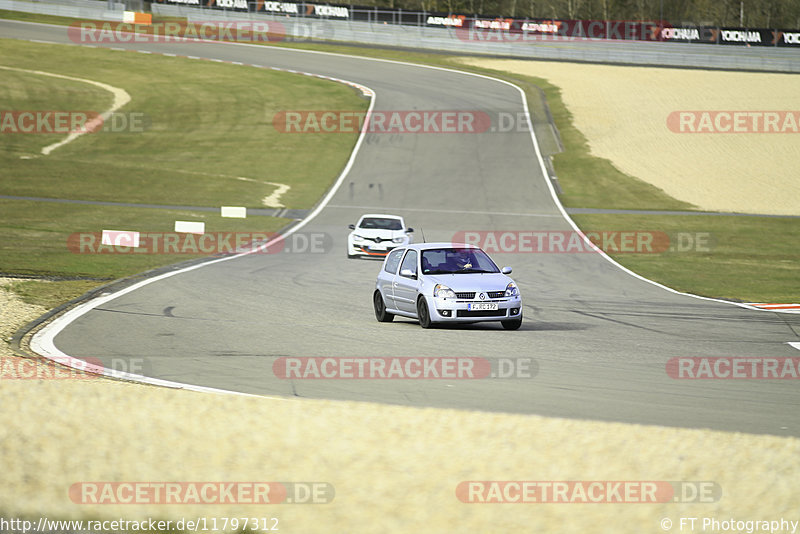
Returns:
<point x="366" y="250"/>
<point x="457" y="310"/>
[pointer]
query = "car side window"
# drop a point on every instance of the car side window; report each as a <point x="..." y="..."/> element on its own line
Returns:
<point x="393" y="260"/>
<point x="410" y="262"/>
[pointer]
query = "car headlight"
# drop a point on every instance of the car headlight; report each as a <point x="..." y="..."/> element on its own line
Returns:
<point x="512" y="290"/>
<point x="443" y="292"/>
<point x="357" y="238"/>
<point x="398" y="239"/>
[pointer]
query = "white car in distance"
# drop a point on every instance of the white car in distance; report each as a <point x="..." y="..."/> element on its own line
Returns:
<point x="377" y="234"/>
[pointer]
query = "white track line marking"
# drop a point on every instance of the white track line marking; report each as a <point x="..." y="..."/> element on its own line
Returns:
<point x="272" y="201"/>
<point x="43" y="342"/>
<point x="121" y="97"/>
<point x="795" y="344"/>
<point x="44" y="338"/>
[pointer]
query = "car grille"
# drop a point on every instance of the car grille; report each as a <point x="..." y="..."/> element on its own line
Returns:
<point x="480" y="313"/>
<point x="469" y="295"/>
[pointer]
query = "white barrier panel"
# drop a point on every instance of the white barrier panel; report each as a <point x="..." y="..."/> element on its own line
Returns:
<point x="664" y="54"/>
<point x="120" y="238"/>
<point x="190" y="227"/>
<point x="134" y="17"/>
<point x="233" y="211"/>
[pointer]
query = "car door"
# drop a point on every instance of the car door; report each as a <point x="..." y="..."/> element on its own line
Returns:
<point x="405" y="287"/>
<point x="387" y="275"/>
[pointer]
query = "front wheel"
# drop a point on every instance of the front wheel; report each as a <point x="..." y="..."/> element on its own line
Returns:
<point x="422" y="313"/>
<point x="380" y="308"/>
<point x="512" y="324"/>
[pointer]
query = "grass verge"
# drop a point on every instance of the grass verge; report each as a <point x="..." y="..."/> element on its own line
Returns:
<point x="195" y="133"/>
<point x="43" y="245"/>
<point x="749" y="259"/>
<point x="591" y="182"/>
<point x="204" y="133"/>
<point x="51" y="293"/>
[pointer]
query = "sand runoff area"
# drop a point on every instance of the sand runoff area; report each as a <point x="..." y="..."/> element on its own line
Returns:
<point x="93" y="449"/>
<point x="723" y="141"/>
<point x="82" y="448"/>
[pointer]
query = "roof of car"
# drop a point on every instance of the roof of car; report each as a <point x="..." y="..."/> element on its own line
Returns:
<point x="427" y="246"/>
<point x="381" y="215"/>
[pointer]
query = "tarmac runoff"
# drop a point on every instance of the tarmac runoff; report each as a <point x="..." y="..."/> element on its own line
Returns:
<point x="392" y="468"/>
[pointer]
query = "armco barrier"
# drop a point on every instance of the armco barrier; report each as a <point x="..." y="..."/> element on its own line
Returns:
<point x="670" y="54"/>
<point x="83" y="9"/>
<point x="384" y="28"/>
<point x="637" y="30"/>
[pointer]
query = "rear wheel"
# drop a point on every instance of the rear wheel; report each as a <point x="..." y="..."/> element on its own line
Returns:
<point x="513" y="324"/>
<point x="423" y="314"/>
<point x="380" y="308"/>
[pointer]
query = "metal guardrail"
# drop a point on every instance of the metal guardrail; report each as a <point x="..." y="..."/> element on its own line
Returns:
<point x="383" y="32"/>
<point x="80" y="9"/>
<point x="550" y="48"/>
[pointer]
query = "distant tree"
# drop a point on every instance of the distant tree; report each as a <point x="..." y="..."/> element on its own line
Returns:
<point x="757" y="13"/>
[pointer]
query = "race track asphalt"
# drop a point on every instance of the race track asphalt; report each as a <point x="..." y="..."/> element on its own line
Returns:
<point x="600" y="337"/>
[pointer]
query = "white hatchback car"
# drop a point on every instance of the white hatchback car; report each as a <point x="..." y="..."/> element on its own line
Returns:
<point x="446" y="283"/>
<point x="377" y="234"/>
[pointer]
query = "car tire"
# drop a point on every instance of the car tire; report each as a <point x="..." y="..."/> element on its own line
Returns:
<point x="512" y="324"/>
<point x="380" y="308"/>
<point x="423" y="314"/>
<point x="351" y="256"/>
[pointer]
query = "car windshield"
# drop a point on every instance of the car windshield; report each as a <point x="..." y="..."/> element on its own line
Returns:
<point x="379" y="223"/>
<point x="457" y="261"/>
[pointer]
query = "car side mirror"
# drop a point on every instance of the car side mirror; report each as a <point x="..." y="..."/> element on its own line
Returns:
<point x="409" y="230"/>
<point x="506" y="270"/>
<point x="351" y="226"/>
<point x="408" y="273"/>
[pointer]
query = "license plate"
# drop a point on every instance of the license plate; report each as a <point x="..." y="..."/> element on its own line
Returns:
<point x="482" y="306"/>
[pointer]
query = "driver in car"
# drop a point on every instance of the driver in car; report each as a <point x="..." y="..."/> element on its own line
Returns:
<point x="461" y="260"/>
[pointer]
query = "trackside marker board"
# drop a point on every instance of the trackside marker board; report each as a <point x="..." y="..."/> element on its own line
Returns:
<point x="233" y="211"/>
<point x="190" y="227"/>
<point x="120" y="238"/>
